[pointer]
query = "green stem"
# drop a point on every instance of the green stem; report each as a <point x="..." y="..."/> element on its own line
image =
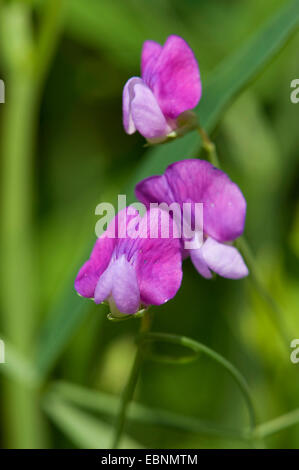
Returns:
<point x="244" y="248"/>
<point x="201" y="348"/>
<point x="278" y="424"/>
<point x="99" y="402"/>
<point x="102" y="403"/>
<point x="130" y="386"/>
<point x="17" y="260"/>
<point x="209" y="147"/>
<point x="277" y="316"/>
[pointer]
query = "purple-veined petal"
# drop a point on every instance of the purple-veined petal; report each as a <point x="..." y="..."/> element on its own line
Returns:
<point x="141" y="111"/>
<point x="224" y="206"/>
<point x="225" y="260"/>
<point x="117" y="228"/>
<point x="125" y="290"/>
<point x="174" y="78"/>
<point x="150" y="53"/>
<point x="154" y="189"/>
<point x="90" y="272"/>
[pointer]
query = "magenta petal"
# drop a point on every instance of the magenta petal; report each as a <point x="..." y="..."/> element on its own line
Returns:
<point x="225" y="260"/>
<point x="198" y="181"/>
<point x="150" y="53"/>
<point x="90" y="272"/>
<point x="200" y="263"/>
<point x="174" y="78"/>
<point x="125" y="290"/>
<point x="158" y="265"/>
<point x="154" y="189"/>
<point x="224" y="206"/>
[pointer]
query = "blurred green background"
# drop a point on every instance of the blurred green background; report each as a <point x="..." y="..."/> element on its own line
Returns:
<point x="63" y="151"/>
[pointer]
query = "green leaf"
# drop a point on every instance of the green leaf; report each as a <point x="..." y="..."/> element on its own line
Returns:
<point x="223" y="85"/>
<point x="18" y="368"/>
<point x="107" y="405"/>
<point x="119" y="28"/>
<point x="52" y="13"/>
<point x="63" y="320"/>
<point x="83" y="429"/>
<point x="102" y="24"/>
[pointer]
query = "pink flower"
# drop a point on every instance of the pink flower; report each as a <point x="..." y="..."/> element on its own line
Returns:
<point x="132" y="270"/>
<point x="224" y="211"/>
<point x="169" y="85"/>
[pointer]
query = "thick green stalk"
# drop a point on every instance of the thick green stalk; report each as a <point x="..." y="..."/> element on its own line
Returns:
<point x="17" y="258"/>
<point x="130" y="386"/>
<point x="25" y="65"/>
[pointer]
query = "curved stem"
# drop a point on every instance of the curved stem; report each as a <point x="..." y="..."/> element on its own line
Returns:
<point x="244" y="248"/>
<point x="130" y="386"/>
<point x="201" y="348"/>
<point x="209" y="146"/>
<point x="278" y="424"/>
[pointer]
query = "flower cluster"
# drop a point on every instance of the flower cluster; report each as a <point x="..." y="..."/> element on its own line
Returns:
<point x="156" y="104"/>
<point x="133" y="270"/>
<point x="224" y="210"/>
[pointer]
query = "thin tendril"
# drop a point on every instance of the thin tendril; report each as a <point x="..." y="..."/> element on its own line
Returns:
<point x="201" y="348"/>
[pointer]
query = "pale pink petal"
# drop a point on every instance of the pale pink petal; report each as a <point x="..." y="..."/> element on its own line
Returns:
<point x="200" y="263"/>
<point x="125" y="290"/>
<point x="104" y="285"/>
<point x="224" y="259"/>
<point x="128" y="95"/>
<point x="141" y="111"/>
